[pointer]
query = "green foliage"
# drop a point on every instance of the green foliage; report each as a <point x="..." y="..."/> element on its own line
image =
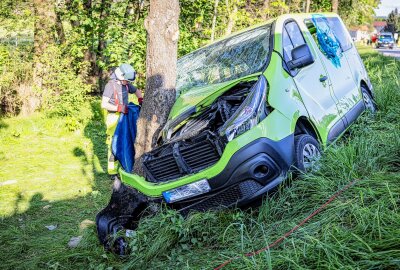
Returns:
<point x="63" y="92"/>
<point x="15" y="71"/>
<point x="393" y="21"/>
<point x="357" y="12"/>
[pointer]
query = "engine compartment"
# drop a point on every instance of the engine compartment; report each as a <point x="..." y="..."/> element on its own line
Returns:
<point x="213" y="117"/>
<point x="196" y="144"/>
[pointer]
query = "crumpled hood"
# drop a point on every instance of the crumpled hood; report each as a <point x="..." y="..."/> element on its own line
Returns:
<point x="204" y="95"/>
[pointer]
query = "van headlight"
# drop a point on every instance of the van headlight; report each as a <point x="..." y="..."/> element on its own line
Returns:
<point x="249" y="112"/>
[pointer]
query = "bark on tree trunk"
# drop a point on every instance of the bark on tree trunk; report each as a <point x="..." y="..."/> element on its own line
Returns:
<point x="335" y="6"/>
<point x="232" y="17"/>
<point x="98" y="71"/>
<point x="308" y="6"/>
<point x="265" y="10"/>
<point x="161" y="56"/>
<point x="214" y="21"/>
<point x="60" y="29"/>
<point x="44" y="35"/>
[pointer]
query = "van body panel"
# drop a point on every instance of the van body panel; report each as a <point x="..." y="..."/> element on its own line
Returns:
<point x="330" y="105"/>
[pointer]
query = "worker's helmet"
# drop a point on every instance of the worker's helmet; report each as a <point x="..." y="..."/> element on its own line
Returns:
<point x="125" y="72"/>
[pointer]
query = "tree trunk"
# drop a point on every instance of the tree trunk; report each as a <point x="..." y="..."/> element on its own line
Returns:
<point x="308" y="6"/>
<point x="161" y="56"/>
<point x="60" y="29"/>
<point x="214" y="21"/>
<point x="232" y="17"/>
<point x="335" y="6"/>
<point x="265" y="10"/>
<point x="97" y="70"/>
<point x="44" y="35"/>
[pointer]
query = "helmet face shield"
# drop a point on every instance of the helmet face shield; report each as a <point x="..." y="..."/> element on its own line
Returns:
<point x="125" y="72"/>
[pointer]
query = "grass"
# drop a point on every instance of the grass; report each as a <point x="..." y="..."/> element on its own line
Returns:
<point x="45" y="164"/>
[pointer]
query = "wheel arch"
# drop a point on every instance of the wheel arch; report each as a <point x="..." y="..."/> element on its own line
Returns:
<point x="305" y="126"/>
<point x="365" y="85"/>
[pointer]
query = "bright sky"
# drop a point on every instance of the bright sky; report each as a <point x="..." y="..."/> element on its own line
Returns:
<point x="386" y="7"/>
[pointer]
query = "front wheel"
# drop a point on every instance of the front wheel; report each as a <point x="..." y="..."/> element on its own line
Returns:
<point x="307" y="152"/>
<point x="368" y="100"/>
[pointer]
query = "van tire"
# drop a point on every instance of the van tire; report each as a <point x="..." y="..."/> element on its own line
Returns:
<point x="369" y="102"/>
<point x="307" y="151"/>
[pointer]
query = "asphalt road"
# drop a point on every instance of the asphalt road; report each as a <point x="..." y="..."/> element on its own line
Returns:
<point x="395" y="52"/>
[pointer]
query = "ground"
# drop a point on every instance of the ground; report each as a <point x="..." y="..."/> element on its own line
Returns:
<point x="51" y="175"/>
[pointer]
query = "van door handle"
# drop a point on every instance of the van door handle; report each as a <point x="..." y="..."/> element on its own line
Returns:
<point x="323" y="78"/>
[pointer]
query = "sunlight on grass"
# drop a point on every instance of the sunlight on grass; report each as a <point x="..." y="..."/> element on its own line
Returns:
<point x="39" y="156"/>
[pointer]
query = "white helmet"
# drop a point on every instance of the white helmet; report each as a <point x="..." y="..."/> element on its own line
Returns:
<point x="125" y="72"/>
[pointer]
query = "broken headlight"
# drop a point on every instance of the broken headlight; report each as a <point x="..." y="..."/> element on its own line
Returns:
<point x="249" y="113"/>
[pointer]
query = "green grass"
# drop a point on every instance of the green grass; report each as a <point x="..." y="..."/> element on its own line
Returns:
<point x="359" y="230"/>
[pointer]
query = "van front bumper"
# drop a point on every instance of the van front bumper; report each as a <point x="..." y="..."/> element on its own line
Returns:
<point x="261" y="161"/>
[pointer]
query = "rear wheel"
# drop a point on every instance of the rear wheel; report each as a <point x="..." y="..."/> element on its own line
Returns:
<point x="368" y="100"/>
<point x="307" y="152"/>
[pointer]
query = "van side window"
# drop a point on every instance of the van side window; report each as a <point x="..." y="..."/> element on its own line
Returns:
<point x="291" y="38"/>
<point x="341" y="33"/>
<point x="335" y="26"/>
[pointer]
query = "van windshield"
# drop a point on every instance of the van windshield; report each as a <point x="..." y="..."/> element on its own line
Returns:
<point x="240" y="55"/>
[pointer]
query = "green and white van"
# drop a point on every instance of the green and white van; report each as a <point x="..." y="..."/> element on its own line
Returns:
<point x="250" y="107"/>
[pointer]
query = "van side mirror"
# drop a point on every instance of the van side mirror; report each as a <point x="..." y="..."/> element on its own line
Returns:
<point x="301" y="57"/>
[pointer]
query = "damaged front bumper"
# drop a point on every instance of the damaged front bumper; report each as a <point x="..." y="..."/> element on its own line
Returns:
<point x="250" y="173"/>
<point x="262" y="160"/>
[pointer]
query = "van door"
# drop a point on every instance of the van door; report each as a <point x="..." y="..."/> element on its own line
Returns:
<point x="312" y="83"/>
<point x="333" y="47"/>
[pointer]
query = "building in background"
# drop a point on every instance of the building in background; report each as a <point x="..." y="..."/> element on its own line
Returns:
<point x="379" y="26"/>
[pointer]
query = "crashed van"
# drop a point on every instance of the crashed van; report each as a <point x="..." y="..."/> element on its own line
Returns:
<point x="250" y="107"/>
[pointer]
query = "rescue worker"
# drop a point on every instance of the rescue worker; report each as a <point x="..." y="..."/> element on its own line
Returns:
<point x="115" y="102"/>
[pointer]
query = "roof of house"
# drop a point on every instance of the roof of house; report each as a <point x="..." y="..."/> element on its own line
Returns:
<point x="380" y="24"/>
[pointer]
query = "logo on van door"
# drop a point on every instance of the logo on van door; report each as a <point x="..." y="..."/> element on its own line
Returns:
<point x="327" y="41"/>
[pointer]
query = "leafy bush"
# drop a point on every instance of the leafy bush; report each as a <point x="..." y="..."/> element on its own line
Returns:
<point x="62" y="92"/>
<point x="15" y="72"/>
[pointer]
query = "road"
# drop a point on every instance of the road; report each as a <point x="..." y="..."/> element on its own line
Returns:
<point x="395" y="52"/>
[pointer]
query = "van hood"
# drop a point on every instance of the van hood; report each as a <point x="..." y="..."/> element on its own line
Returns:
<point x="203" y="96"/>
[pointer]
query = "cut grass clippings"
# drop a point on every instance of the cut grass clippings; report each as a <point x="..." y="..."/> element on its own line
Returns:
<point x="358" y="230"/>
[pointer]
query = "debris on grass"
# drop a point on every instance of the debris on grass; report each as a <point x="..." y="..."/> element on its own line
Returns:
<point x="8" y="182"/>
<point x="74" y="241"/>
<point x="86" y="224"/>
<point x="51" y="227"/>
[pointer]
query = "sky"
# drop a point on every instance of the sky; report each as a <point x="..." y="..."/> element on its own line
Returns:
<point x="386" y="7"/>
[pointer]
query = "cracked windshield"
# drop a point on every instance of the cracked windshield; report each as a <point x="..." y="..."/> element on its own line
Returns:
<point x="228" y="59"/>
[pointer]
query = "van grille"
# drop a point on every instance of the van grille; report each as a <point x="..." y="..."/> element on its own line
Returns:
<point x="182" y="158"/>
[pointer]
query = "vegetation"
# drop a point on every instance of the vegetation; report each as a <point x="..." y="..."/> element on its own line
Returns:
<point x="393" y="21"/>
<point x="53" y="176"/>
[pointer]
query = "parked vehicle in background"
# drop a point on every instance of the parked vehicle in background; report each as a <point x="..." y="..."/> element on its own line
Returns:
<point x="250" y="108"/>
<point x="385" y="40"/>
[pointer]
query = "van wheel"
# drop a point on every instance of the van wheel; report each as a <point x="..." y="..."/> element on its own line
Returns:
<point x="307" y="152"/>
<point x="368" y="100"/>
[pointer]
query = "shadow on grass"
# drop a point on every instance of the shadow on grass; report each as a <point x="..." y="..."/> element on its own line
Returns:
<point x="95" y="130"/>
<point x="25" y="241"/>
<point x="2" y="124"/>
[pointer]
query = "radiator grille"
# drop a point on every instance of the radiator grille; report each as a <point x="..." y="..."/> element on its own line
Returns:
<point x="187" y="159"/>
